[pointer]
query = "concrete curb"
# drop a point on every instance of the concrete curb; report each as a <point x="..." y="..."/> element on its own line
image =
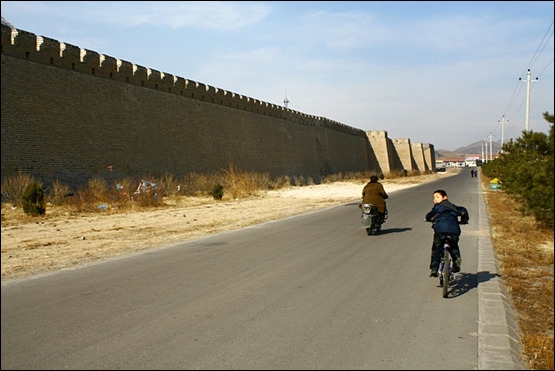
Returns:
<point x="499" y="344"/>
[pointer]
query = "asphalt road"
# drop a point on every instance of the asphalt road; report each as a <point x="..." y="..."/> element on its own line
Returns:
<point x="307" y="292"/>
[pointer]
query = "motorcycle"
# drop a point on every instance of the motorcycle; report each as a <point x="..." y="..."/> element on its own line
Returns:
<point x="372" y="219"/>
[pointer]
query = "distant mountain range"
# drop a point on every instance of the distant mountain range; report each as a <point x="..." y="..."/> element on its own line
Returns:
<point x="471" y="149"/>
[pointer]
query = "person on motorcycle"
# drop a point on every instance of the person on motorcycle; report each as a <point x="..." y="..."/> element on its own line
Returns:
<point x="374" y="193"/>
<point x="444" y="216"/>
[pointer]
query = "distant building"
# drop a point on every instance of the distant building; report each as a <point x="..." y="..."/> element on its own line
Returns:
<point x="469" y="160"/>
<point x="451" y="162"/>
<point x="473" y="160"/>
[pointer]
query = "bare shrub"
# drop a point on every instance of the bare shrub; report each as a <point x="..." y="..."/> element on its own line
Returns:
<point x="299" y="181"/>
<point x="58" y="192"/>
<point x="392" y="175"/>
<point x="148" y="198"/>
<point x="193" y="184"/>
<point x="237" y="181"/>
<point x="280" y="182"/>
<point x="169" y="185"/>
<point x="231" y="179"/>
<point x="332" y="178"/>
<point x="82" y="201"/>
<point x="122" y="192"/>
<point x="98" y="188"/>
<point x="13" y="187"/>
<point x="349" y="176"/>
<point x="148" y="192"/>
<point x="261" y="180"/>
<point x="249" y="183"/>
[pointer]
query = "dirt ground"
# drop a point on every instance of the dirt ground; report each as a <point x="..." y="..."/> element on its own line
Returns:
<point x="62" y="240"/>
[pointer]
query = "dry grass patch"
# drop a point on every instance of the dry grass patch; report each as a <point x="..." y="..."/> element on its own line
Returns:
<point x="525" y="251"/>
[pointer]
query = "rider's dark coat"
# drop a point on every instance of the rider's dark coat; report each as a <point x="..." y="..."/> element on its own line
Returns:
<point x="374" y="193"/>
<point x="445" y="217"/>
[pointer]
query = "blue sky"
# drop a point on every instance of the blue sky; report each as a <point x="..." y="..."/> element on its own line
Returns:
<point x="443" y="73"/>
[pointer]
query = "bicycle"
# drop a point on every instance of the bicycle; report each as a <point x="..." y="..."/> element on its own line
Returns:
<point x="445" y="271"/>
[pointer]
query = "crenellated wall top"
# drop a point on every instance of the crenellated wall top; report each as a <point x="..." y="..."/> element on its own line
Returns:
<point x="39" y="49"/>
<point x="375" y="134"/>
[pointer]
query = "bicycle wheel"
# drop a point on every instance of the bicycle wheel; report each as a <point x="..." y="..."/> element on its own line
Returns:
<point x="446" y="273"/>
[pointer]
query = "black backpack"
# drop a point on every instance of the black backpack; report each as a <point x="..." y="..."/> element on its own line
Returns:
<point x="464" y="214"/>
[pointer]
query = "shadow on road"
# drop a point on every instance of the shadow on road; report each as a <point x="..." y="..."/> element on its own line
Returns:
<point x="394" y="230"/>
<point x="465" y="282"/>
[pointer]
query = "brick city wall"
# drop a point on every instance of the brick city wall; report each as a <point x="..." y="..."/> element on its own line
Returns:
<point x="382" y="148"/>
<point x="70" y="114"/>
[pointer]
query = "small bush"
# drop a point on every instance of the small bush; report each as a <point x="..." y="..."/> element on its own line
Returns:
<point x="121" y="193"/>
<point x="98" y="188"/>
<point x="241" y="183"/>
<point x="58" y="193"/>
<point x="281" y="182"/>
<point x="193" y="184"/>
<point x="13" y="187"/>
<point x="33" y="199"/>
<point x="218" y="192"/>
<point x="147" y="194"/>
<point x="82" y="200"/>
<point x="169" y="185"/>
<point x="299" y="181"/>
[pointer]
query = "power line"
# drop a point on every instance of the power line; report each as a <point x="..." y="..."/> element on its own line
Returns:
<point x="546" y="66"/>
<point x="518" y="87"/>
<point x="531" y="88"/>
<point x="532" y="61"/>
<point x="513" y="98"/>
<point x="519" y="107"/>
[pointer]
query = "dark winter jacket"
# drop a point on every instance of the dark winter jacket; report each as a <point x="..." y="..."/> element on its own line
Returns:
<point x="374" y="193"/>
<point x="445" y="217"/>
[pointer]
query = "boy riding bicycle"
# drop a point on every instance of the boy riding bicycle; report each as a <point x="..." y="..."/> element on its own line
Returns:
<point x="445" y="219"/>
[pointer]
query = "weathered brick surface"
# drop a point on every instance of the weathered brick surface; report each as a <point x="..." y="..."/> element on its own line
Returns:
<point x="404" y="154"/>
<point x="67" y="125"/>
<point x="70" y="113"/>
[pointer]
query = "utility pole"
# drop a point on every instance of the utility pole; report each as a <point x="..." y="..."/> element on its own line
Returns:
<point x="490" y="147"/>
<point x="483" y="151"/>
<point x="502" y="121"/>
<point x="486" y="145"/>
<point x="528" y="99"/>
